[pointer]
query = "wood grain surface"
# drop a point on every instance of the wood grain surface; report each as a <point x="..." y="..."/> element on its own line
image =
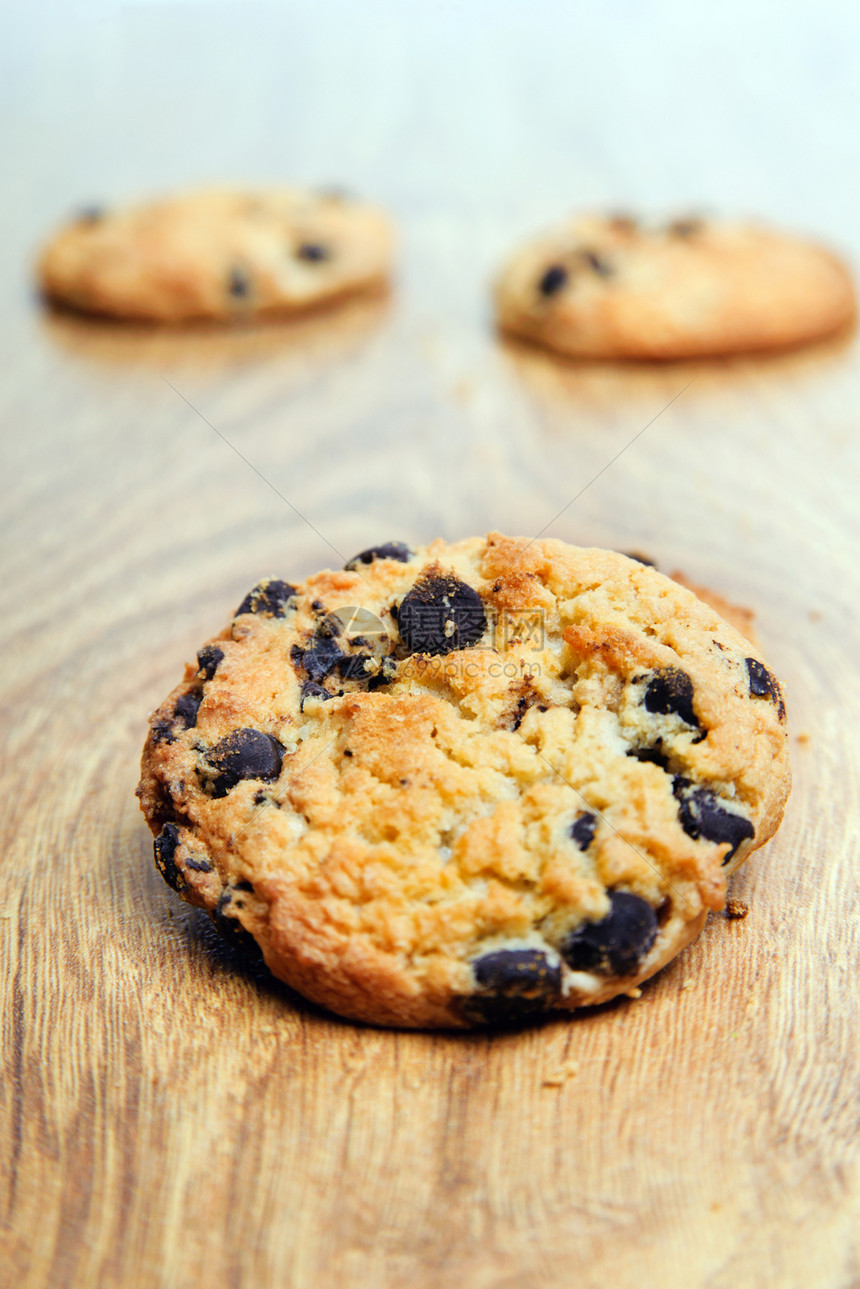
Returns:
<point x="167" y="1119"/>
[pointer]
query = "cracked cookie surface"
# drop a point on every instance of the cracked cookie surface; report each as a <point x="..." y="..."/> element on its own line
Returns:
<point x="218" y="254"/>
<point x="467" y="783"/>
<point x="612" y="287"/>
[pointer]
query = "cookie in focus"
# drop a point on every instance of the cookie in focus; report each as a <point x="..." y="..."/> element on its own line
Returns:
<point x="466" y="783"/>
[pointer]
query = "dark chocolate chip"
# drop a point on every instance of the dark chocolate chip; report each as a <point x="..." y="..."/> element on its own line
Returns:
<point x="238" y="283"/>
<point x="702" y="814"/>
<point x="269" y="598"/>
<point x="164" y="850"/>
<point x="244" y="754"/>
<point x="319" y="660"/>
<point x="554" y="280"/>
<point x="514" y="985"/>
<point x="670" y="690"/>
<point x="764" y="685"/>
<point x="441" y="614"/>
<point x="207" y="661"/>
<point x="310" y="689"/>
<point x="384" y="676"/>
<point x="162" y="732"/>
<point x="596" y="263"/>
<point x="685" y="227"/>
<point x="313" y="252"/>
<point x="228" y="926"/>
<point x="583" y="828"/>
<point x="187" y="707"/>
<point x="616" y="944"/>
<point x="329" y="627"/>
<point x="354" y="666"/>
<point x="199" y="865"/>
<point x="653" y="755"/>
<point x="91" y="214"/>
<point x="640" y="559"/>
<point x="387" y="550"/>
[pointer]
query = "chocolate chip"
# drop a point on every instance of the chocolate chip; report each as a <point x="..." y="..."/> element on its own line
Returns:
<point x="269" y="599"/>
<point x="184" y="717"/>
<point x="199" y="865"/>
<point x="207" y="661"/>
<point x="387" y="550"/>
<point x="384" y="676"/>
<point x="313" y="252"/>
<point x="596" y="263"/>
<point x="653" y="755"/>
<point x="685" y="227"/>
<point x="226" y="919"/>
<point x="354" y="666"/>
<point x="164" y="850"/>
<point x="244" y="754"/>
<point x="640" y="559"/>
<point x="670" y="690"/>
<point x="238" y="283"/>
<point x="319" y="660"/>
<point x="91" y="214"/>
<point x="616" y="944"/>
<point x="702" y="814"/>
<point x="162" y="732"/>
<point x="441" y="614"/>
<point x="582" y="830"/>
<point x="310" y="689"/>
<point x="329" y="627"/>
<point x="764" y="685"/>
<point x="513" y="985"/>
<point x="554" y="280"/>
<point x="186" y="708"/>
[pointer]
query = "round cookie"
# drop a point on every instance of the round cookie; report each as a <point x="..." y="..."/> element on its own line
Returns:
<point x="467" y="783"/>
<point x="218" y="254"/>
<point x="610" y="287"/>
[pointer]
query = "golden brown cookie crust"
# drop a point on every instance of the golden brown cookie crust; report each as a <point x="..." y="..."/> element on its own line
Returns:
<point x="605" y="287"/>
<point x="218" y="254"/>
<point x="538" y="819"/>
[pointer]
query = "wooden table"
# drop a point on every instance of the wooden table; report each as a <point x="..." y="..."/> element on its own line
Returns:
<point x="167" y="1119"/>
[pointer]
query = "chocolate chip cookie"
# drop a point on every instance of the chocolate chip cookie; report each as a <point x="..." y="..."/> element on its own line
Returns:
<point x="467" y="783"/>
<point x="218" y="254"/>
<point x="613" y="287"/>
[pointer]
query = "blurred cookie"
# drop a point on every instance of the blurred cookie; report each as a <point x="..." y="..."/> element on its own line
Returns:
<point x="466" y="783"/>
<point x="610" y="287"/>
<point x="218" y="254"/>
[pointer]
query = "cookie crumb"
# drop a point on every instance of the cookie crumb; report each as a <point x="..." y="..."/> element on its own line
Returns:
<point x="634" y="993"/>
<point x="567" y="1070"/>
<point x="688" y="984"/>
<point x="736" y="909"/>
<point x="803" y="738"/>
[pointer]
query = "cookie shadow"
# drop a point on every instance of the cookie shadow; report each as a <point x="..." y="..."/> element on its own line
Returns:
<point x="563" y="379"/>
<point x="201" y="939"/>
<point x="317" y="334"/>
